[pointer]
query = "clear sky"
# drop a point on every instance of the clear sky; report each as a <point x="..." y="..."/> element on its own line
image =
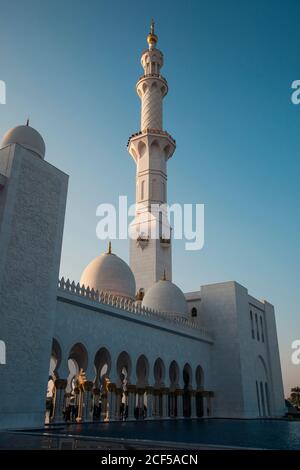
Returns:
<point x="72" y="67"/>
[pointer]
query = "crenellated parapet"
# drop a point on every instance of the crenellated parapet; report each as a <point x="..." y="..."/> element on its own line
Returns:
<point x="125" y="304"/>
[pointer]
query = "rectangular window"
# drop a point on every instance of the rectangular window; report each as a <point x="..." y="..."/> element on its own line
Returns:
<point x="262" y="330"/>
<point x="143" y="190"/>
<point x="262" y="395"/>
<point x="154" y="195"/>
<point x="267" y="399"/>
<point x="258" y="400"/>
<point x="163" y="192"/>
<point x="252" y="326"/>
<point x="257" y="330"/>
<point x="160" y="224"/>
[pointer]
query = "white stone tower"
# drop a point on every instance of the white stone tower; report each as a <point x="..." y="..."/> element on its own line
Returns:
<point x="32" y="210"/>
<point x="150" y="253"/>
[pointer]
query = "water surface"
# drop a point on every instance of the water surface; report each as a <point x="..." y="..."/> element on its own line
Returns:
<point x="264" y="434"/>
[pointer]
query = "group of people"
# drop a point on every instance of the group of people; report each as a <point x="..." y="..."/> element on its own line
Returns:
<point x="140" y="413"/>
<point x="70" y="411"/>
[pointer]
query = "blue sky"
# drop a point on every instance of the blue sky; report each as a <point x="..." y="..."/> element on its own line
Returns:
<point x="72" y="67"/>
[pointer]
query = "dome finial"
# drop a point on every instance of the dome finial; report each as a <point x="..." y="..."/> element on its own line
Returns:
<point x="152" y="38"/>
<point x="109" y="248"/>
<point x="27" y="122"/>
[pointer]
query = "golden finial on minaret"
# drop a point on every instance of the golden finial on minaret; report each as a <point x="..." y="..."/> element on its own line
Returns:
<point x="152" y="38"/>
<point x="109" y="248"/>
<point x="152" y="26"/>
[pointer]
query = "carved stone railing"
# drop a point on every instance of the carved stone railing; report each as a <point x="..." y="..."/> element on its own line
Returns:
<point x="129" y="305"/>
<point x="154" y="75"/>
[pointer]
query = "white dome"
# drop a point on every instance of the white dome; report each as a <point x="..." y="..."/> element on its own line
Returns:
<point x="27" y="137"/>
<point x="109" y="273"/>
<point x="165" y="296"/>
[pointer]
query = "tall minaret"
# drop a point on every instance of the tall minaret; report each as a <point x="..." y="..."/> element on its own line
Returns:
<point x="150" y="255"/>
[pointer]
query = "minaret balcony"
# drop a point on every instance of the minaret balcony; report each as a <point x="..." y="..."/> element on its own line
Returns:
<point x="152" y="75"/>
<point x="146" y="81"/>
<point x="145" y="132"/>
<point x="142" y="142"/>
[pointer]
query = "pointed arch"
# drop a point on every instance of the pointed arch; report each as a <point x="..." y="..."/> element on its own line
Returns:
<point x="159" y="372"/>
<point x="142" y="371"/>
<point x="141" y="149"/>
<point x="174" y="374"/>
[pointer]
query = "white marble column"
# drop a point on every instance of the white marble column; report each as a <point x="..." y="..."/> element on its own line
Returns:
<point x="112" y="401"/>
<point x="193" y="404"/>
<point x="155" y="403"/>
<point x="87" y="399"/>
<point x="104" y="406"/>
<point x="165" y="394"/>
<point x="179" y="394"/>
<point x="119" y="393"/>
<point x="95" y="399"/>
<point x="60" y="387"/>
<point x="150" y="403"/>
<point x="205" y="405"/>
<point x="209" y="403"/>
<point x="131" y="390"/>
<point x="140" y="393"/>
<point x="173" y="400"/>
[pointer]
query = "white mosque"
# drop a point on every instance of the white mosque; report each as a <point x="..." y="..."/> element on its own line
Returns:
<point x="124" y="342"/>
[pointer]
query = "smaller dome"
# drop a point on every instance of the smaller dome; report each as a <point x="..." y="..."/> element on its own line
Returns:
<point x="165" y="297"/>
<point x="27" y="137"/>
<point x="109" y="273"/>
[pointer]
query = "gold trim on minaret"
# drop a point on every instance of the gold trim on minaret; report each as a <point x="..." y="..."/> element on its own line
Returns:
<point x="152" y="38"/>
